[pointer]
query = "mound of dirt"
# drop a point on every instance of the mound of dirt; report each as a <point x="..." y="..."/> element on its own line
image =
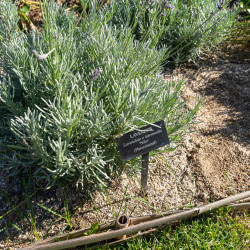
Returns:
<point x="217" y="154"/>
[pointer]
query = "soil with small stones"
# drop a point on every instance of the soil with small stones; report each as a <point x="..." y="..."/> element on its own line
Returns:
<point x="211" y="163"/>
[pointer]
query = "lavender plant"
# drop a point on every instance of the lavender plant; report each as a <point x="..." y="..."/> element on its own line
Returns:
<point x="186" y="29"/>
<point x="67" y="91"/>
<point x="204" y="24"/>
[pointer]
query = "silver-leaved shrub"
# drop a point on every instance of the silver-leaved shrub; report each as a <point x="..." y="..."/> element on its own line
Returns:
<point x="185" y="28"/>
<point x="69" y="89"/>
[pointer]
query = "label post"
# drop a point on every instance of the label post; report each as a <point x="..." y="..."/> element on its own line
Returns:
<point x="141" y="142"/>
<point x="144" y="173"/>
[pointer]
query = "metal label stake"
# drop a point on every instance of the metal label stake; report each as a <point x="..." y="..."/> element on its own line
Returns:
<point x="144" y="174"/>
<point x="141" y="142"/>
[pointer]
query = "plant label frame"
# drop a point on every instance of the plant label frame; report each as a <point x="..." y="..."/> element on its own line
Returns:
<point x="141" y="142"/>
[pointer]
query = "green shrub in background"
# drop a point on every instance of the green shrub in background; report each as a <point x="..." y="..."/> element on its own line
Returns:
<point x="67" y="91"/>
<point x="185" y="28"/>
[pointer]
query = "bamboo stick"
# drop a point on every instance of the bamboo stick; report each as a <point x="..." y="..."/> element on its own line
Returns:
<point x="117" y="233"/>
<point x="78" y="233"/>
<point x="245" y="200"/>
<point x="224" y="202"/>
<point x="113" y="243"/>
<point x="128" y="238"/>
<point x="122" y="221"/>
<point x="146" y="225"/>
<point x="74" y="234"/>
<point x="239" y="206"/>
<point x="144" y="218"/>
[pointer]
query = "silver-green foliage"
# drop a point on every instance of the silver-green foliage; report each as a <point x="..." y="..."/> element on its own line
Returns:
<point x="185" y="28"/>
<point x="67" y="91"/>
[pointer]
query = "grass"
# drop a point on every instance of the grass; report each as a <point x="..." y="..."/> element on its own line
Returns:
<point x="218" y="230"/>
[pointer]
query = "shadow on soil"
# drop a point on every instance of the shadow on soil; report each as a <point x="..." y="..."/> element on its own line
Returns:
<point x="21" y="215"/>
<point x="231" y="90"/>
<point x="19" y="205"/>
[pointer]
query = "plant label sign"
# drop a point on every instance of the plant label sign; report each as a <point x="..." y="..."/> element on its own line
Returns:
<point x="142" y="141"/>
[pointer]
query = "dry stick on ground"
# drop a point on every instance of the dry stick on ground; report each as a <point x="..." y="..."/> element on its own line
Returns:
<point x="144" y="233"/>
<point x="241" y="206"/>
<point x="117" y="233"/>
<point x="133" y="221"/>
<point x="238" y="206"/>
<point x="245" y="200"/>
<point x="106" y="226"/>
<point x="141" y="227"/>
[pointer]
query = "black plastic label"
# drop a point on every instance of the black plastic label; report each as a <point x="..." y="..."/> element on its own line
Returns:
<point x="143" y="140"/>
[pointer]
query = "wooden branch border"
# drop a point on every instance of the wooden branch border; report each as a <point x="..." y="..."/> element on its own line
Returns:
<point x="147" y="223"/>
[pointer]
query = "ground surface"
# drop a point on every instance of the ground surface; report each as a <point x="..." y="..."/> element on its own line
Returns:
<point x="212" y="163"/>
